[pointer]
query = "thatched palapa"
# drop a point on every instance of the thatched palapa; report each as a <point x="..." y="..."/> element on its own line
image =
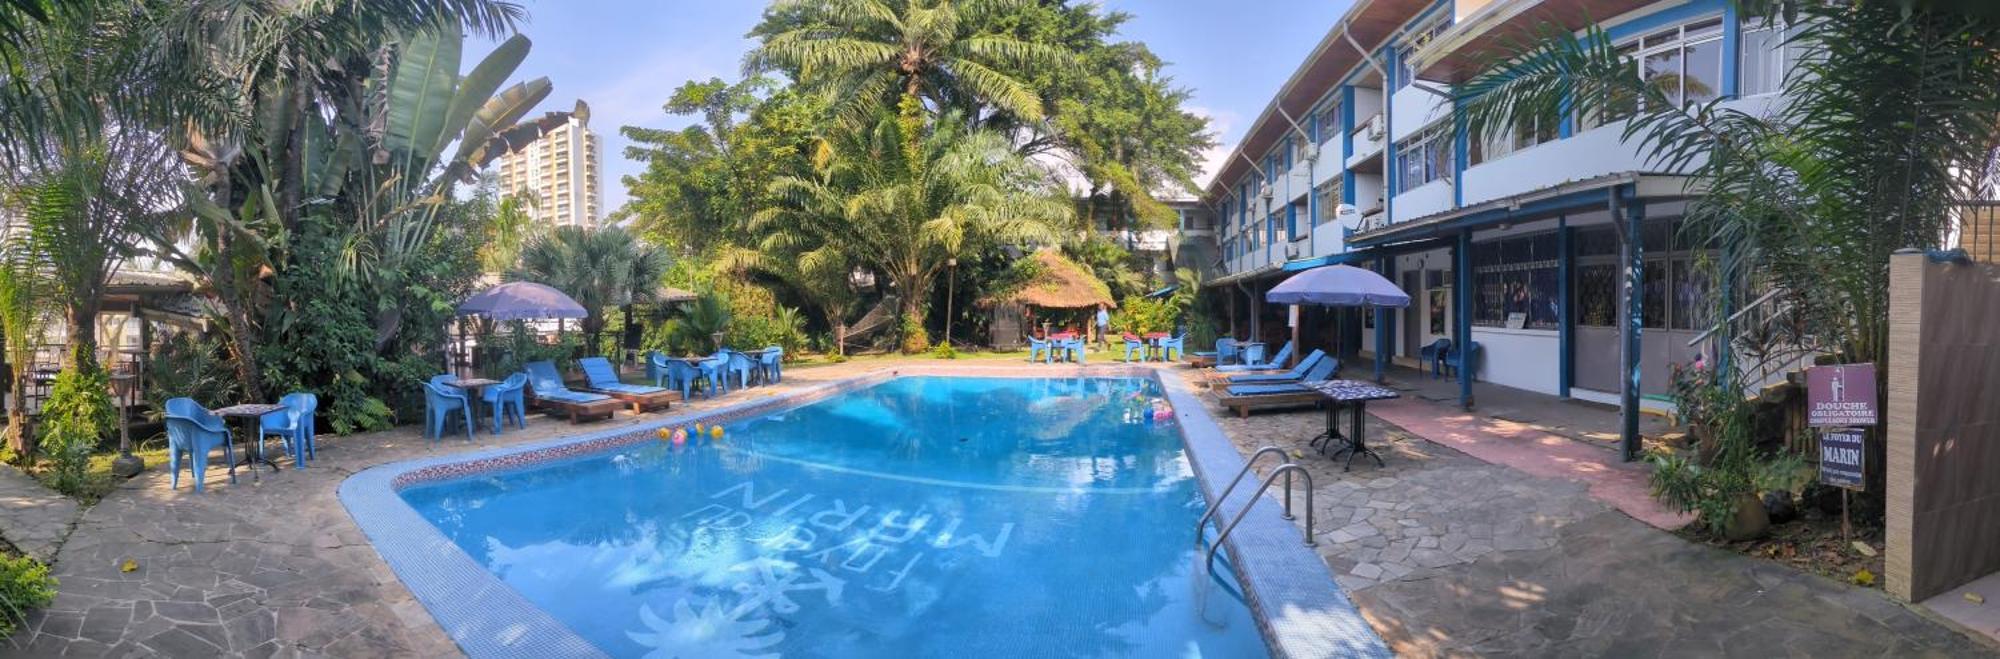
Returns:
<point x="1048" y="280"/>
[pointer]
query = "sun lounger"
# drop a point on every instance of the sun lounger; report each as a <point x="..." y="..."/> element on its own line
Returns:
<point x="1293" y="374"/>
<point x="552" y="396"/>
<point x="603" y="379"/>
<point x="1243" y="398"/>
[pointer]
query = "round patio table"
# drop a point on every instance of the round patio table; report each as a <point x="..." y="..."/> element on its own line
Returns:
<point x="254" y="413"/>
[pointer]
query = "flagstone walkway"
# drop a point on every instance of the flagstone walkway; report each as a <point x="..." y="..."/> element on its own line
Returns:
<point x="1526" y="545"/>
<point x="270" y="565"/>
<point x="32" y="516"/>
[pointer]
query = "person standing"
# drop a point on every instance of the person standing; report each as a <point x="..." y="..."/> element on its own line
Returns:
<point x="1103" y="327"/>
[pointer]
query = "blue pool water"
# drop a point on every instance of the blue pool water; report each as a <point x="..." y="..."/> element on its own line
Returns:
<point x="924" y="516"/>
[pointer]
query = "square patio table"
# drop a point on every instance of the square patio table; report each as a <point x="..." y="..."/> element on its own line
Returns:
<point x="253" y="412"/>
<point x="1353" y="395"/>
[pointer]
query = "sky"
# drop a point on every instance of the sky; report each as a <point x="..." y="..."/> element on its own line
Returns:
<point x="625" y="57"/>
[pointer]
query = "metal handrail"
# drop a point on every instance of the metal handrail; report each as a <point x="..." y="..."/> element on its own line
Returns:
<point x="1247" y="464"/>
<point x="1286" y="469"/>
<point x="1731" y="320"/>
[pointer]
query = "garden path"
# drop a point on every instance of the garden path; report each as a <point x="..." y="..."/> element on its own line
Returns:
<point x="32" y="516"/>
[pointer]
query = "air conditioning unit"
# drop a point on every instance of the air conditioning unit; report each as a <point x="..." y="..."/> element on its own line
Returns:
<point x="1374" y="129"/>
<point x="1266" y="191"/>
<point x="1310" y="153"/>
<point x="1291" y="251"/>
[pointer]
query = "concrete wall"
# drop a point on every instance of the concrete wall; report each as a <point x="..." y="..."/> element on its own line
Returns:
<point x="1426" y="199"/>
<point x="1519" y="358"/>
<point x="1943" y="428"/>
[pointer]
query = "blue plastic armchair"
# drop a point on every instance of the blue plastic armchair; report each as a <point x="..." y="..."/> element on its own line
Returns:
<point x="740" y="366"/>
<point x="508" y="400"/>
<point x="1133" y="345"/>
<point x="440" y="401"/>
<point x="1173" y="348"/>
<point x="771" y="364"/>
<point x="1076" y="349"/>
<point x="714" y="372"/>
<point x="1468" y="359"/>
<point x="191" y="429"/>
<point x="1433" y="355"/>
<point x="656" y="368"/>
<point x="293" y="425"/>
<point x="1039" y="347"/>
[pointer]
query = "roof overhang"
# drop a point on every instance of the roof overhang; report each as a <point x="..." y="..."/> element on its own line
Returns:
<point x="1370" y="23"/>
<point x="1250" y="275"/>
<point x="1547" y="202"/>
<point x="1493" y="32"/>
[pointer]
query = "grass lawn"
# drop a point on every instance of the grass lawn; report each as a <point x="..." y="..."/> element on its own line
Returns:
<point x="99" y="481"/>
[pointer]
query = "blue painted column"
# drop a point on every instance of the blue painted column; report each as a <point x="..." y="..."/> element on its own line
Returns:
<point x="1565" y="309"/>
<point x="1461" y="294"/>
<point x="1312" y="196"/>
<point x="1346" y="143"/>
<point x="1384" y="343"/>
<point x="1634" y="212"/>
<point x="1461" y="155"/>
<point x="1732" y="51"/>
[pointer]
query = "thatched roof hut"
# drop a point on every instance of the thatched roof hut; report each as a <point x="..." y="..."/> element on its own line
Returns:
<point x="1048" y="280"/>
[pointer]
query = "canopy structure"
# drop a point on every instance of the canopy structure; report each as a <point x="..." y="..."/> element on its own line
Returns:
<point x="1338" y="286"/>
<point x="521" y="300"/>
<point x="1050" y="281"/>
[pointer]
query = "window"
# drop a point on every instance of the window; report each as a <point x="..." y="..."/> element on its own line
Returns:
<point x="1329" y="201"/>
<point x="1675" y="289"/>
<point x="1517" y="276"/>
<point x="1424" y="157"/>
<point x="1523" y="134"/>
<point x="1684" y="63"/>
<point x="1766" y="56"/>
<point x="1329" y="123"/>
<point x="1420" y="36"/>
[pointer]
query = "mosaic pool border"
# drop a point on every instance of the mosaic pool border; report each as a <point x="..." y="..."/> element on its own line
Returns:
<point x="1291" y="593"/>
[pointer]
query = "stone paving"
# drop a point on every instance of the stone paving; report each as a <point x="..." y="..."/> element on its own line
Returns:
<point x="33" y="517"/>
<point x="268" y="566"/>
<point x="1447" y="555"/>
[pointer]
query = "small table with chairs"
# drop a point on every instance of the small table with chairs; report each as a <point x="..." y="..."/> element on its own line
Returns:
<point x="253" y="413"/>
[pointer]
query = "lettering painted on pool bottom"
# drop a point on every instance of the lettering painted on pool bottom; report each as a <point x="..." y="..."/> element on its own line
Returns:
<point x="820" y="546"/>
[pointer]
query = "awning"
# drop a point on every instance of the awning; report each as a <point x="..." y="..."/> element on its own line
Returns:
<point x="1319" y="261"/>
<point x="1245" y="275"/>
<point x="1164" y="291"/>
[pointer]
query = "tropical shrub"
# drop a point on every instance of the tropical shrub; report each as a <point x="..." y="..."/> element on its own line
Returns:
<point x="25" y="584"/>
<point x="1140" y="315"/>
<point x="944" y="351"/>
<point x="187" y="364"/>
<point x="784" y="328"/>
<point x="77" y="414"/>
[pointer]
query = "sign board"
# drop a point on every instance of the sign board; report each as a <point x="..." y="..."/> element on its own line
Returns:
<point x="1842" y="395"/>
<point x="1841" y="455"/>
<point x="1517" y="320"/>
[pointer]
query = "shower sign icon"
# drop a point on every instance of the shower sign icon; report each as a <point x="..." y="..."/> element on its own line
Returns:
<point x="1841" y="395"/>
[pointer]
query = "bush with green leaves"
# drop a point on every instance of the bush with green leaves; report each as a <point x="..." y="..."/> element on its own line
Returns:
<point x="785" y="329"/>
<point x="191" y="365"/>
<point x="1139" y="315"/>
<point x="25" y="585"/>
<point x="76" y="416"/>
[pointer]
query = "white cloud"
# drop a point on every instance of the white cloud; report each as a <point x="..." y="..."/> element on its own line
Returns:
<point x="1223" y="124"/>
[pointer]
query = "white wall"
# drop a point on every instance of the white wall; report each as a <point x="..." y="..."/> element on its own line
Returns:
<point x="1432" y="197"/>
<point x="1367" y="103"/>
<point x="1412" y="109"/>
<point x="1367" y="192"/>
<point x="1589" y="154"/>
<point x="1522" y="359"/>
<point x="1326" y="238"/>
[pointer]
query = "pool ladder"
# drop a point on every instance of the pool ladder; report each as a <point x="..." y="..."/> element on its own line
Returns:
<point x="1286" y="469"/>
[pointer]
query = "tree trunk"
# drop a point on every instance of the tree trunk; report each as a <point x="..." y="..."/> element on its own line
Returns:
<point x="19" y="439"/>
<point x="82" y="331"/>
<point x="243" y="346"/>
<point x="839" y="338"/>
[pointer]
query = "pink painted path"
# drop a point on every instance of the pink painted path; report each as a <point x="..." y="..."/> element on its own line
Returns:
<point x="1619" y="484"/>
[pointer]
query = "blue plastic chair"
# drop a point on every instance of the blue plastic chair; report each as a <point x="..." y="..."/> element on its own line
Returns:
<point x="1038" y="347"/>
<point x="1468" y="358"/>
<point x="740" y="365"/>
<point x="771" y="364"/>
<point x="439" y="402"/>
<point x="293" y="425"/>
<point x="1173" y="348"/>
<point x="1135" y="345"/>
<point x="509" y="394"/>
<point x="655" y="370"/>
<point x="679" y="374"/>
<point x="1076" y="350"/>
<point x="191" y="429"/>
<point x="1433" y="355"/>
<point x="1224" y="352"/>
<point x="714" y="371"/>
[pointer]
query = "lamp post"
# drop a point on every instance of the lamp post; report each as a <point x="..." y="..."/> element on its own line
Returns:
<point x="126" y="385"/>
<point x="951" y="291"/>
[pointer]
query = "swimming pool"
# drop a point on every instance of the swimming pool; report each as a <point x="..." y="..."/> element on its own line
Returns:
<point x="922" y="516"/>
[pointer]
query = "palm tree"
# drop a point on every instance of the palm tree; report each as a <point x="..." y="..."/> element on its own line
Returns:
<point x="870" y="202"/>
<point x="818" y="271"/>
<point x="896" y="53"/>
<point x="600" y="269"/>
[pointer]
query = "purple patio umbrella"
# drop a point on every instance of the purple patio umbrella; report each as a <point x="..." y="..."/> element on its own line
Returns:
<point x="1338" y="286"/>
<point x="521" y="300"/>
